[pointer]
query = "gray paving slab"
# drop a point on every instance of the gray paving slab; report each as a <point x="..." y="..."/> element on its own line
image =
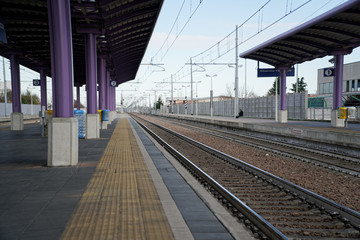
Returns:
<point x="36" y="201"/>
<point x="187" y="201"/>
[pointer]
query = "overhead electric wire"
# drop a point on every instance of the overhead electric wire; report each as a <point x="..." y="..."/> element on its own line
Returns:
<point x="176" y="37"/>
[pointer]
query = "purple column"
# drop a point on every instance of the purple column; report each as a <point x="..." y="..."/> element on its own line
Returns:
<point x="107" y="87"/>
<point x="114" y="99"/>
<point x="90" y="49"/>
<point x="338" y="81"/>
<point x="111" y="98"/>
<point x="102" y="83"/>
<point x="43" y="88"/>
<point x="61" y="46"/>
<point x="78" y="97"/>
<point x="283" y="88"/>
<point x="15" y="83"/>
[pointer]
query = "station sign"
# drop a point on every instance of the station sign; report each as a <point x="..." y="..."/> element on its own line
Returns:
<point x="36" y="82"/>
<point x="272" y="72"/>
<point x="329" y="72"/>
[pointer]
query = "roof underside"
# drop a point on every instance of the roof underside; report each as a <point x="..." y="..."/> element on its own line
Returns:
<point x="336" y="30"/>
<point x="123" y="29"/>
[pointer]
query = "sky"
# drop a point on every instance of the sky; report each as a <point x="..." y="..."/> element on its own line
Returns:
<point x="210" y="24"/>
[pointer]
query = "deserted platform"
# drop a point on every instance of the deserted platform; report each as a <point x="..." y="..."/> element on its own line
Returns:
<point x="124" y="187"/>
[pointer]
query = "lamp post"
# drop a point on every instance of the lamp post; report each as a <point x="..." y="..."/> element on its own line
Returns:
<point x="211" y="93"/>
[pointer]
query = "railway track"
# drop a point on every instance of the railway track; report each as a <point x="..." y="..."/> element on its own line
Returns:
<point x="270" y="206"/>
<point x="330" y="160"/>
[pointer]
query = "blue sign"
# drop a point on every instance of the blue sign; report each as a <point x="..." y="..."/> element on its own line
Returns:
<point x="2" y="31"/>
<point x="36" y="82"/>
<point x="328" y="72"/>
<point x="272" y="72"/>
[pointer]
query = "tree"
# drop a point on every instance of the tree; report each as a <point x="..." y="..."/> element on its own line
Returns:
<point x="159" y="103"/>
<point x="26" y="98"/>
<point x="2" y="95"/>
<point x="75" y="104"/>
<point x="230" y="90"/>
<point x="272" y="90"/>
<point x="301" y="85"/>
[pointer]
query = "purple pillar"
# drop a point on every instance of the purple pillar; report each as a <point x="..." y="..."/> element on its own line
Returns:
<point x="110" y="98"/>
<point x="90" y="49"/>
<point x="15" y="83"/>
<point x="102" y="83"/>
<point x="107" y="84"/>
<point x="78" y="97"/>
<point x="114" y="99"/>
<point x="338" y="81"/>
<point x="61" y="46"/>
<point x="43" y="88"/>
<point x="283" y="88"/>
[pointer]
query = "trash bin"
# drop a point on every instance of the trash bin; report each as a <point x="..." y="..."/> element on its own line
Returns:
<point x="100" y="113"/>
<point x="105" y="115"/>
<point x="342" y="113"/>
<point x="80" y="115"/>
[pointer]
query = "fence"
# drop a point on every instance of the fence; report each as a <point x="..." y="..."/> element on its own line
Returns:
<point x="260" y="107"/>
<point x="25" y="109"/>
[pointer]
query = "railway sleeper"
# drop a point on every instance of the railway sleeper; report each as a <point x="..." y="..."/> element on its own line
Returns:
<point x="289" y="212"/>
<point x="282" y="202"/>
<point x="281" y="219"/>
<point x="268" y="207"/>
<point x="321" y="233"/>
<point x="310" y="225"/>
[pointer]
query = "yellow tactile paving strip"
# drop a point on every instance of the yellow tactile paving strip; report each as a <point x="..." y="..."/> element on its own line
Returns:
<point x="120" y="201"/>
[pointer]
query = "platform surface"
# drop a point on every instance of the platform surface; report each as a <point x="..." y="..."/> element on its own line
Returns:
<point x="111" y="194"/>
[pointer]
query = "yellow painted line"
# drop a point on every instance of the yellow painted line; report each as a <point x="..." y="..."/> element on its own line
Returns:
<point x="120" y="201"/>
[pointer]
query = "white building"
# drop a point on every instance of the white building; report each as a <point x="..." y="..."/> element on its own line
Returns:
<point x="351" y="84"/>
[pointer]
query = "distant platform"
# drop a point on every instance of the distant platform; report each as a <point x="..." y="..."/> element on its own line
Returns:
<point x="308" y="130"/>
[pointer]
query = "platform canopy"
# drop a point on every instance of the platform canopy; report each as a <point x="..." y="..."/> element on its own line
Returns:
<point x="336" y="31"/>
<point x="123" y="27"/>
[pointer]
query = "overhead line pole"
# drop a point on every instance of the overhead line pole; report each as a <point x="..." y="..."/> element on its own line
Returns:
<point x="236" y="103"/>
<point x="191" y="95"/>
<point x="172" y="95"/>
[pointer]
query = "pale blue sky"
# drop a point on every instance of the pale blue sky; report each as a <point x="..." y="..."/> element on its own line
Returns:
<point x="212" y="22"/>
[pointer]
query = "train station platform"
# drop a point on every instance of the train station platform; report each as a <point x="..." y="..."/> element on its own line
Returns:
<point x="318" y="131"/>
<point x="124" y="187"/>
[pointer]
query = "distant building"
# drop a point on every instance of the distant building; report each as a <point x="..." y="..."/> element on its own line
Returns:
<point x="351" y="84"/>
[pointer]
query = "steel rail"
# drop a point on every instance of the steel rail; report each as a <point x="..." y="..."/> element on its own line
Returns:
<point x="345" y="214"/>
<point x="315" y="161"/>
<point x="264" y="226"/>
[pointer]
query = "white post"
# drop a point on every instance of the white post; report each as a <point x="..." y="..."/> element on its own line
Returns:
<point x="236" y="107"/>
<point x="191" y="93"/>
<point x="172" y="95"/>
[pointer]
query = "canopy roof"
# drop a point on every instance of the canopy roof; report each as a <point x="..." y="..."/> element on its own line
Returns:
<point x="337" y="30"/>
<point x="124" y="28"/>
